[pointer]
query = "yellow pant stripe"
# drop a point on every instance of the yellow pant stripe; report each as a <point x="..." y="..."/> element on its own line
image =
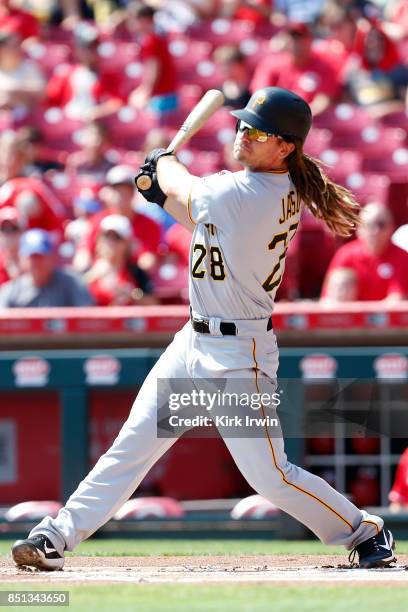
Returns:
<point x="274" y="458"/>
<point x="373" y="523"/>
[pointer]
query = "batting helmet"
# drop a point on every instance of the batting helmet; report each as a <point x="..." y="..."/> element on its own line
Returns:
<point x="277" y="111"/>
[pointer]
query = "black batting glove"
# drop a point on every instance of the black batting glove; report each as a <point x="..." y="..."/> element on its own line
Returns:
<point x="153" y="157"/>
<point x="154" y="192"/>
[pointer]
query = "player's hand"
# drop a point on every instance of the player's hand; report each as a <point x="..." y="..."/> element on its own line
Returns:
<point x="153" y="157"/>
<point x="148" y="185"/>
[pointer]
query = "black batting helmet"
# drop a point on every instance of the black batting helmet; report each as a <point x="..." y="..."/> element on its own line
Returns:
<point x="277" y="111"/>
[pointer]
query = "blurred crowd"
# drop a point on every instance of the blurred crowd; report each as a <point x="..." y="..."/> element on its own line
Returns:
<point x="90" y="86"/>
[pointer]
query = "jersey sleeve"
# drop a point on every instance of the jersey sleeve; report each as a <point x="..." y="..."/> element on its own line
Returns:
<point x="215" y="199"/>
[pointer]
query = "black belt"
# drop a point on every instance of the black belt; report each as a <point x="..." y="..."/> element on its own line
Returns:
<point x="227" y="328"/>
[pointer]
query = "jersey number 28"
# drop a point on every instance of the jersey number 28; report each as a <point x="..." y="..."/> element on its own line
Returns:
<point x="217" y="270"/>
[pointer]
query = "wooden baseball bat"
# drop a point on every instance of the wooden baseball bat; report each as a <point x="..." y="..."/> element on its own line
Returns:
<point x="211" y="101"/>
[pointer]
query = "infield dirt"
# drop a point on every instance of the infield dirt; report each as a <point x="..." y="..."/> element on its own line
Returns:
<point x="207" y="569"/>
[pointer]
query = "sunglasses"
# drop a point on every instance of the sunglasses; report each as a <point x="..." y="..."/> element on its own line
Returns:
<point x="252" y="133"/>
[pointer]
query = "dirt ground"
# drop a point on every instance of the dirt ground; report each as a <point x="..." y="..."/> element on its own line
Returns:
<point x="276" y="568"/>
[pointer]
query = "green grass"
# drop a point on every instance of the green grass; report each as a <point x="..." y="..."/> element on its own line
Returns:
<point x="177" y="547"/>
<point x="260" y="597"/>
<point x="234" y="598"/>
<point x="134" y="547"/>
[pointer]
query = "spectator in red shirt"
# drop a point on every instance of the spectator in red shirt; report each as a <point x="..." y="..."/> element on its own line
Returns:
<point x="36" y="204"/>
<point x="86" y="90"/>
<point x="398" y="495"/>
<point x="380" y="75"/>
<point x="13" y="19"/>
<point x="300" y="69"/>
<point x="11" y="228"/>
<point x="118" y="197"/>
<point x="158" y="88"/>
<point x="114" y="279"/>
<point x="380" y="266"/>
<point x="341" y="286"/>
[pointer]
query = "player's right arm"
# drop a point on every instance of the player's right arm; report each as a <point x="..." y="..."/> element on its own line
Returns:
<point x="177" y="183"/>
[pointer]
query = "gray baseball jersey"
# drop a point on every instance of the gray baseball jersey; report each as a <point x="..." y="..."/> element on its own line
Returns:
<point x="244" y="224"/>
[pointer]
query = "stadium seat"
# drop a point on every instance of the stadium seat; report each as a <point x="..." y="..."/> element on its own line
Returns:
<point x="397" y="119"/>
<point x="118" y="55"/>
<point x="394" y="165"/>
<point x="340" y="163"/>
<point x="222" y="31"/>
<point x="128" y="127"/>
<point x="344" y="118"/>
<point x="58" y="130"/>
<point x="200" y="163"/>
<point x="371" y="141"/>
<point x="49" y="55"/>
<point x="368" y="187"/>
<point x="318" y="141"/>
<point x="188" y="53"/>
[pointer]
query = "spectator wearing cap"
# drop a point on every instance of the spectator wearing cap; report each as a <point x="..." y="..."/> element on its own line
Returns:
<point x="114" y="279"/>
<point x="86" y="90"/>
<point x="14" y="19"/>
<point x="380" y="266"/>
<point x="236" y="75"/>
<point x="92" y="160"/>
<point x="378" y="75"/>
<point x="86" y="205"/>
<point x="11" y="228"/>
<point x="35" y="202"/>
<point x="118" y="197"/>
<point x="158" y="88"/>
<point x="42" y="283"/>
<point x="301" y="69"/>
<point x="22" y="81"/>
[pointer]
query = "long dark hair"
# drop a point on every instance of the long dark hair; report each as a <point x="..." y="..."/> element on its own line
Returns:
<point x="332" y="203"/>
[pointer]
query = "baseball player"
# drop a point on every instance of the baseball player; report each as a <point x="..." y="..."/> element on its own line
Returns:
<point x="242" y="224"/>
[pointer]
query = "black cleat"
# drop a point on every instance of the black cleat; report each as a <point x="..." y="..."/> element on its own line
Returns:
<point x="38" y="552"/>
<point x="377" y="551"/>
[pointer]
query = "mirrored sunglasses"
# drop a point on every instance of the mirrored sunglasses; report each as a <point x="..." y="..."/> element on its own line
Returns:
<point x="253" y="133"/>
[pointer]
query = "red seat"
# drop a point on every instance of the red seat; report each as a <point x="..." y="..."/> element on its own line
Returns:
<point x="49" y="55"/>
<point x="339" y="164"/>
<point x="397" y="119"/>
<point x="59" y="131"/>
<point x="318" y="141"/>
<point x="368" y="187"/>
<point x="394" y="165"/>
<point x="371" y="141"/>
<point x="129" y="127"/>
<point x="201" y="163"/>
<point x="344" y="118"/>
<point x="222" y="31"/>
